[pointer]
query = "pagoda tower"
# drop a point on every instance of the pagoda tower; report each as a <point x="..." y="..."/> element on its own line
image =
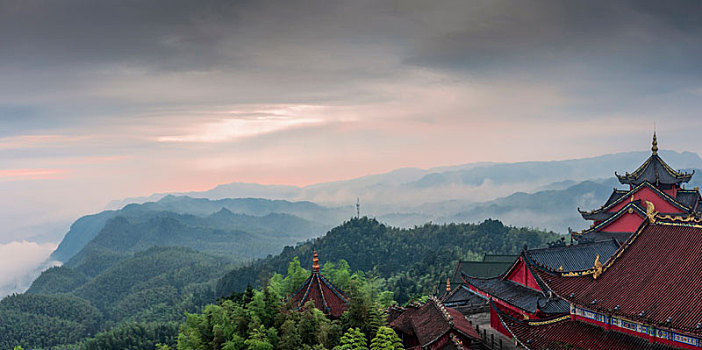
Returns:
<point x="654" y="186"/>
<point x="325" y="295"/>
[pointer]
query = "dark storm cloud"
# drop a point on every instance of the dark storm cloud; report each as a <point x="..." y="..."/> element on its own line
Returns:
<point x="109" y="57"/>
<point x="617" y="39"/>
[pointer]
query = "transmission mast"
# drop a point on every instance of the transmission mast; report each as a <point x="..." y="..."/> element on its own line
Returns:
<point x="358" y="208"/>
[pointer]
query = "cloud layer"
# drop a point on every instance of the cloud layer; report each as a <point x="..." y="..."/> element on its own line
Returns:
<point x="20" y="263"/>
<point x="105" y="100"/>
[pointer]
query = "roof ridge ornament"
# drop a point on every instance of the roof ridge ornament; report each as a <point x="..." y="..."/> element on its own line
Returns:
<point x="654" y="146"/>
<point x="315" y="262"/>
<point x="651" y="212"/>
<point x="598" y="268"/>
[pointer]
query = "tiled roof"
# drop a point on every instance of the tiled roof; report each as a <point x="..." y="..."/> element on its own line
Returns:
<point x="634" y="206"/>
<point x="653" y="277"/>
<point x="481" y="268"/>
<point x="325" y="295"/>
<point x="504" y="258"/>
<point x="432" y="321"/>
<point x="463" y="296"/>
<point x="688" y="198"/>
<point x="562" y="333"/>
<point x="616" y="195"/>
<point x="601" y="236"/>
<point x="517" y="295"/>
<point x="573" y="257"/>
<point x="665" y="196"/>
<point x="654" y="170"/>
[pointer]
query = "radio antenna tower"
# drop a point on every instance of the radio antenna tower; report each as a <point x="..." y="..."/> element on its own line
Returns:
<point x="358" y="208"/>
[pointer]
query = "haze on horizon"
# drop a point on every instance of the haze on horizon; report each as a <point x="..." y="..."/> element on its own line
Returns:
<point x="102" y="100"/>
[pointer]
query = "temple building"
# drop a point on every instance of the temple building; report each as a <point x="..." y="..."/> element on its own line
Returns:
<point x="432" y="326"/>
<point x="631" y="282"/>
<point x="653" y="183"/>
<point x="524" y="293"/>
<point x="521" y="293"/>
<point x="325" y="295"/>
<point x="645" y="296"/>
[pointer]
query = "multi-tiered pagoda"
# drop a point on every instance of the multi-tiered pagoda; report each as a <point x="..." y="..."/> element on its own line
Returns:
<point x="532" y="300"/>
<point x="653" y="183"/>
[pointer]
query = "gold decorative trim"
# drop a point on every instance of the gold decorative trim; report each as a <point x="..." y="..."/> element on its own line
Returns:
<point x="547" y="322"/>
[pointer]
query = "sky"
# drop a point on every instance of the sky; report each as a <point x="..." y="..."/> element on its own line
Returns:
<point x="102" y="100"/>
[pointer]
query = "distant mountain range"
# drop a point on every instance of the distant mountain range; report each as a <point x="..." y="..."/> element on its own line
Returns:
<point x="410" y="187"/>
<point x="543" y="195"/>
<point x="241" y="229"/>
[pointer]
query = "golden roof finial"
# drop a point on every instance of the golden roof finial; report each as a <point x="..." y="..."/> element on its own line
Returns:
<point x="654" y="148"/>
<point x="448" y="284"/>
<point x="315" y="262"/>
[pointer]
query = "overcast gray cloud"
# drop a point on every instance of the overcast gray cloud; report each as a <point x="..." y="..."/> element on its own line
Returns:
<point x="101" y="100"/>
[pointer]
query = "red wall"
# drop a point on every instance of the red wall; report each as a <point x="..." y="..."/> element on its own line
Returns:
<point x="497" y="325"/>
<point x="521" y="274"/>
<point x="625" y="223"/>
<point x="646" y="194"/>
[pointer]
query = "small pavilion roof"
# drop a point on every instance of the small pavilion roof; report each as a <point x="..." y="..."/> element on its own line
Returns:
<point x="325" y="295"/>
<point x="650" y="279"/>
<point x="654" y="170"/>
<point x="560" y="333"/>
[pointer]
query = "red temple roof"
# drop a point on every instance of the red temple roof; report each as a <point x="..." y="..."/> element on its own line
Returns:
<point x="325" y="295"/>
<point x="433" y="321"/>
<point x="562" y="333"/>
<point x="653" y="278"/>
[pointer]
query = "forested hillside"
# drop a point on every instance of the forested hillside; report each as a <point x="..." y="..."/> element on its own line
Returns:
<point x="412" y="260"/>
<point x="110" y="298"/>
<point x="148" y="290"/>
<point x="298" y="220"/>
<point x="239" y="237"/>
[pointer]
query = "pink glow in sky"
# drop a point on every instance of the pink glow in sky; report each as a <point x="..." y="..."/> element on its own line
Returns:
<point x="292" y="93"/>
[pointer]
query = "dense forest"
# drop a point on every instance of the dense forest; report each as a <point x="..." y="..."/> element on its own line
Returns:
<point x="276" y="219"/>
<point x="119" y="299"/>
<point x="414" y="261"/>
<point x="148" y="291"/>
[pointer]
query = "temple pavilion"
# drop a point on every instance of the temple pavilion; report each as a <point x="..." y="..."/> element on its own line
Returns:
<point x="653" y="183"/>
<point x="645" y="296"/>
<point x="324" y="294"/>
<point x="631" y="282"/>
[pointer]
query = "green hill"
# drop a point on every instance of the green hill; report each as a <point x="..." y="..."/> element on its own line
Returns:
<point x="239" y="237"/>
<point x="413" y="260"/>
<point x="250" y="215"/>
<point x="115" y="289"/>
<point x="66" y="305"/>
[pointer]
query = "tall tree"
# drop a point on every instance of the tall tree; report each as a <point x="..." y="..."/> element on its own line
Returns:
<point x="386" y="339"/>
<point x="353" y="339"/>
